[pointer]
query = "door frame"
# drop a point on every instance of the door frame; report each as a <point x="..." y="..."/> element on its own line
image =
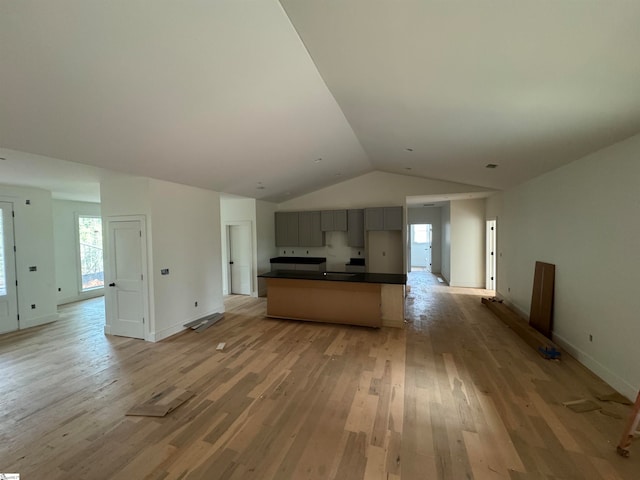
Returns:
<point x="227" y="254"/>
<point x="489" y="260"/>
<point x="12" y="275"/>
<point x="106" y="241"/>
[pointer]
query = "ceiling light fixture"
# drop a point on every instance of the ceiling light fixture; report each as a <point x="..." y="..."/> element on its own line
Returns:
<point x="317" y="160"/>
<point x="409" y="149"/>
<point x="491" y="165"/>
<point x="408" y="169"/>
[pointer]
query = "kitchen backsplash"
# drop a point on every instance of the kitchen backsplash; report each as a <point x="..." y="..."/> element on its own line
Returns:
<point x="336" y="251"/>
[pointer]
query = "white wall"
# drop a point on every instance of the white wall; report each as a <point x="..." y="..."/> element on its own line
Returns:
<point x="186" y="240"/>
<point x="432" y="216"/>
<point x="585" y="219"/>
<point x="65" y="234"/>
<point x="183" y="235"/>
<point x="33" y="231"/>
<point x="467" y="243"/>
<point x="445" y="258"/>
<point x="374" y="189"/>
<point x="265" y="240"/>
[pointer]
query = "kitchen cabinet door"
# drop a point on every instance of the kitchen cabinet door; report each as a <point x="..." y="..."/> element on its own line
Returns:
<point x="392" y="218"/>
<point x="373" y="219"/>
<point x="333" y="220"/>
<point x="286" y="229"/>
<point x="310" y="232"/>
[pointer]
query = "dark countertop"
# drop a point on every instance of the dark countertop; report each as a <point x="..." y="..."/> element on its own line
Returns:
<point x="300" y="260"/>
<point x="388" y="278"/>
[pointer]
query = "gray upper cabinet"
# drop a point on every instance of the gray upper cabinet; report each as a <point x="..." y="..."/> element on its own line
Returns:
<point x="333" y="220"/>
<point x="310" y="233"/>
<point x="374" y="218"/>
<point x="383" y="218"/>
<point x="393" y="218"/>
<point x="355" y="232"/>
<point x="287" y="229"/>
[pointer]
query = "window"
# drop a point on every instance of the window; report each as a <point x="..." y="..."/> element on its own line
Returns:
<point x="91" y="265"/>
<point x="419" y="233"/>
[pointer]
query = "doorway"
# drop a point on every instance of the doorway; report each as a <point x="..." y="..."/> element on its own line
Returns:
<point x="125" y="295"/>
<point x="421" y="247"/>
<point x="239" y="257"/>
<point x="8" y="289"/>
<point x="491" y="279"/>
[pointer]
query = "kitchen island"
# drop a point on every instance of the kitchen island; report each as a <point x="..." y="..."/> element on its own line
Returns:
<point x="367" y="299"/>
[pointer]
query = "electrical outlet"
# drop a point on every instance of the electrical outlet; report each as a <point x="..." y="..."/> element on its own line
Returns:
<point x="33" y="306"/>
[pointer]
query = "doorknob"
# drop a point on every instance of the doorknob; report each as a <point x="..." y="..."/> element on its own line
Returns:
<point x="112" y="284"/>
<point x="230" y="263"/>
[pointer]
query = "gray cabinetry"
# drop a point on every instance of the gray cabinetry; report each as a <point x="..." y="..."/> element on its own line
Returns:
<point x="374" y="218"/>
<point x="287" y="229"/>
<point x="383" y="218"/>
<point x="392" y="218"/>
<point x="333" y="220"/>
<point x="355" y="231"/>
<point x="310" y="233"/>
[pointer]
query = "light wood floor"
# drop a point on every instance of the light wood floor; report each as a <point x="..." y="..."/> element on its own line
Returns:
<point x="454" y="395"/>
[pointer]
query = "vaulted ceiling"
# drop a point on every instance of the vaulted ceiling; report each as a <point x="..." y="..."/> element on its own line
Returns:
<point x="273" y="100"/>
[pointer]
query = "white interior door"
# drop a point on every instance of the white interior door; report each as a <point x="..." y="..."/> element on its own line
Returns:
<point x="240" y="259"/>
<point x="125" y="291"/>
<point x="8" y="290"/>
<point x="491" y="255"/>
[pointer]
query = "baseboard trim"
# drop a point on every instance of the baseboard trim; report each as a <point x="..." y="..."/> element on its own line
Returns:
<point x="596" y="367"/>
<point x="179" y="327"/>
<point x="34" y="322"/>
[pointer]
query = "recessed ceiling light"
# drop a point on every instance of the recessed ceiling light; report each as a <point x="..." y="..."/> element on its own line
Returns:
<point x="260" y="187"/>
<point x="409" y="149"/>
<point x="407" y="169"/>
<point x="491" y="165"/>
<point x="317" y="160"/>
<point x="2" y="158"/>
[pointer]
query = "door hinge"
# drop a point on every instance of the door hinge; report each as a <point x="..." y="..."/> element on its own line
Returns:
<point x="16" y="283"/>
<point x="491" y="278"/>
<point x="13" y="214"/>
<point x="14" y="249"/>
<point x="18" y="317"/>
<point x="141" y="276"/>
<point x="142" y="319"/>
<point x="140" y="233"/>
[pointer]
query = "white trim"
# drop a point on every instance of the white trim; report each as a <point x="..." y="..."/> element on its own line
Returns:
<point x="145" y="269"/>
<point x="94" y="293"/>
<point x="227" y="270"/>
<point x="178" y="327"/>
<point x="596" y="367"/>
<point x="34" y="322"/>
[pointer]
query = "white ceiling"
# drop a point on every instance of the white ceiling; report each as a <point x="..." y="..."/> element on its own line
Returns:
<point x="234" y="96"/>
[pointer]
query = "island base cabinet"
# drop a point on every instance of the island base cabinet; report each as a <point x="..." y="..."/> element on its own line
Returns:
<point x="320" y="301"/>
<point x="392" y="305"/>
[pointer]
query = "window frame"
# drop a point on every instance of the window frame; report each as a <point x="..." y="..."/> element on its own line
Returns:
<point x="82" y="290"/>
